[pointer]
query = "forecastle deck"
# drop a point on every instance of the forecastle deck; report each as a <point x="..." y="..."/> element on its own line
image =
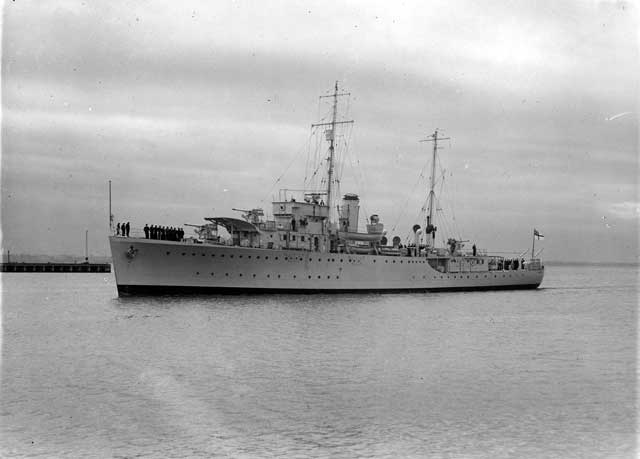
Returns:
<point x="152" y="266"/>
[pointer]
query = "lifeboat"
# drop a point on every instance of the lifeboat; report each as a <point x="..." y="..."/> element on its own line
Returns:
<point x="364" y="237"/>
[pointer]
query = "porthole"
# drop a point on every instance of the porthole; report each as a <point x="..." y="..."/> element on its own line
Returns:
<point x="183" y="254"/>
<point x="230" y="256"/>
<point x="319" y="259"/>
<point x="319" y="277"/>
<point x="278" y="276"/>
<point x="309" y="277"/>
<point x="286" y="258"/>
<point x="333" y="259"/>
<point x="213" y="255"/>
<point x="341" y="260"/>
<point x="386" y="261"/>
<point x="337" y="277"/>
<point x="193" y="254"/>
<point x="276" y="258"/>
<point x="294" y="276"/>
<point x="222" y="255"/>
<point x="258" y="257"/>
<point x="328" y="277"/>
<point x="374" y="261"/>
<point x="266" y="258"/>
<point x="394" y="261"/>
<point x="239" y="256"/>
<point x="240" y="274"/>
<point x="212" y="274"/>
<point x="248" y="256"/>
<point x="268" y="275"/>
<point x="203" y="254"/>
<point x="254" y="275"/>
<point x="168" y="253"/>
<point x="310" y="259"/>
<point x="197" y="273"/>
<point x="226" y="274"/>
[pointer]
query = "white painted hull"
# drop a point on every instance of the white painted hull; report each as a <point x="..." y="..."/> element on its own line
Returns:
<point x="153" y="266"/>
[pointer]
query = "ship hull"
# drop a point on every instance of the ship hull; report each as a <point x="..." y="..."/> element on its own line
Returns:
<point x="150" y="267"/>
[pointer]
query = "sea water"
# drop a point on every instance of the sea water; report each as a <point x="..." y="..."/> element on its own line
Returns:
<point x="546" y="373"/>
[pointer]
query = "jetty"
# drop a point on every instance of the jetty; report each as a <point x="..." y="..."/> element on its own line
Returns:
<point x="19" y="267"/>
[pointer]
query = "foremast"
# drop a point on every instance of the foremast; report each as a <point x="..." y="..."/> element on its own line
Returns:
<point x="430" y="226"/>
<point x="330" y="136"/>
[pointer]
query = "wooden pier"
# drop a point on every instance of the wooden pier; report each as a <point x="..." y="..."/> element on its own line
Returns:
<point x="14" y="267"/>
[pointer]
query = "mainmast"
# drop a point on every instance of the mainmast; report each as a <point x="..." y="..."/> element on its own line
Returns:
<point x="330" y="136"/>
<point x="430" y="221"/>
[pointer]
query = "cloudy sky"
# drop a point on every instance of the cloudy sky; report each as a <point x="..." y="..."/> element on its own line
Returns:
<point x="192" y="108"/>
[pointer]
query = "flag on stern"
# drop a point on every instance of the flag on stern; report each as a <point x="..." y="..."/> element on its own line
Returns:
<point x="537" y="234"/>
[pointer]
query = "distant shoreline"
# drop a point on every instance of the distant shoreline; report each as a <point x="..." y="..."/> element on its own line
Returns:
<point x="591" y="263"/>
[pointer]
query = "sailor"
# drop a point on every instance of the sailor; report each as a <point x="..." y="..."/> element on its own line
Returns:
<point x="127" y="227"/>
<point x="146" y="231"/>
<point x="474" y="250"/>
<point x="118" y="229"/>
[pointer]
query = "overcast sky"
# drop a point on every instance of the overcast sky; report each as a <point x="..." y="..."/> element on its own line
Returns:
<point x="192" y="108"/>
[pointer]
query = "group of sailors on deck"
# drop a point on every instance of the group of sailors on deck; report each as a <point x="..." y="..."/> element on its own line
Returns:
<point x="122" y="229"/>
<point x="512" y="265"/>
<point x="163" y="233"/>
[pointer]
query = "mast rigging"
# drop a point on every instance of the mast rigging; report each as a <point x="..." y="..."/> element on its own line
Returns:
<point x="330" y="136"/>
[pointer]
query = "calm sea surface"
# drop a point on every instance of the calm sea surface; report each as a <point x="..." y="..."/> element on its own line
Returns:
<point x="549" y="373"/>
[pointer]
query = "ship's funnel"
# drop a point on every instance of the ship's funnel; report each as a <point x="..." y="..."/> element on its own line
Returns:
<point x="349" y="212"/>
<point x="418" y="236"/>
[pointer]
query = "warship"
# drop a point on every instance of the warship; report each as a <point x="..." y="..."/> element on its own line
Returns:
<point x="313" y="243"/>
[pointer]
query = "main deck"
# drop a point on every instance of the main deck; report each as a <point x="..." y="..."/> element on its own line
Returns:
<point x="153" y="266"/>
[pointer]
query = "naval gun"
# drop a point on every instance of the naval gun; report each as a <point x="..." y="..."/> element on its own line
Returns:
<point x="206" y="232"/>
<point x="252" y="215"/>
